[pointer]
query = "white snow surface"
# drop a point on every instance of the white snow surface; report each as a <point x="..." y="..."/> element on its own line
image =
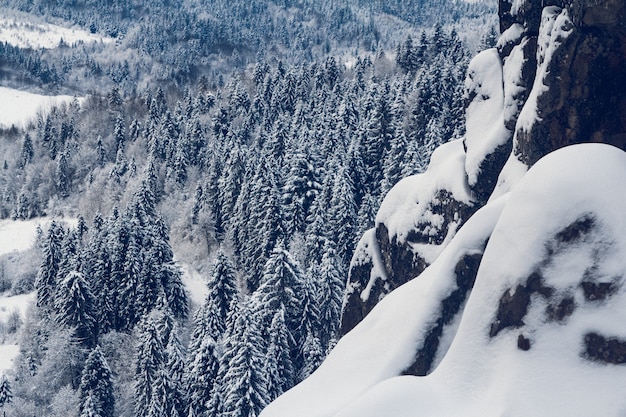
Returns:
<point x="24" y="34"/>
<point x="194" y="283"/>
<point x="485" y="376"/>
<point x="485" y="129"/>
<point x="384" y="343"/>
<point x="407" y="202"/>
<point x="17" y="107"/>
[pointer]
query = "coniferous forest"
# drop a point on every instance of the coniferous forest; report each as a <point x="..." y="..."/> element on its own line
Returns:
<point x="251" y="141"/>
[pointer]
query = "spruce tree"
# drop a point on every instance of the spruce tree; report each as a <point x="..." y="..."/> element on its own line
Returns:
<point x="6" y="394"/>
<point x="332" y="279"/>
<point x="74" y="306"/>
<point x="279" y="367"/>
<point x="201" y="375"/>
<point x="148" y="367"/>
<point x="245" y="384"/>
<point x="46" y="281"/>
<point x="96" y="385"/>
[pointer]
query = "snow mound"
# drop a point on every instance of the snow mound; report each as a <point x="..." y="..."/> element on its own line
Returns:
<point x="446" y="172"/>
<point x="549" y="298"/>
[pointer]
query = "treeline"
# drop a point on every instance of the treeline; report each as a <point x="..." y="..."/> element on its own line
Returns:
<point x="177" y="41"/>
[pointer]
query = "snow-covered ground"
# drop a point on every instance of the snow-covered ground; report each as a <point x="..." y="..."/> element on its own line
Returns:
<point x="20" y="32"/>
<point x="18" y="108"/>
<point x="564" y="223"/>
<point x="195" y="284"/>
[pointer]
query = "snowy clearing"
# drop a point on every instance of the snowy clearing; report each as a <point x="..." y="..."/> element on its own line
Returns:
<point x="18" y="108"/>
<point x="23" y="34"/>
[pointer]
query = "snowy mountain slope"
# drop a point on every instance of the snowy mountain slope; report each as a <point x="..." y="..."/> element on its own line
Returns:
<point x="549" y="295"/>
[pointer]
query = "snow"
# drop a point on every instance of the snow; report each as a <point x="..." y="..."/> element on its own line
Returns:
<point x="8" y="353"/>
<point x="511" y="35"/>
<point x="490" y="376"/>
<point x="446" y="172"/>
<point x="17" y="236"/>
<point x="485" y="130"/>
<point x="554" y="29"/>
<point x="384" y="343"/>
<point x="17" y="108"/>
<point x="21" y="33"/>
<point x="194" y="283"/>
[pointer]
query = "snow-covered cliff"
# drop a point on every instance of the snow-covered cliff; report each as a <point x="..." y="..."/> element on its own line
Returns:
<point x="494" y="284"/>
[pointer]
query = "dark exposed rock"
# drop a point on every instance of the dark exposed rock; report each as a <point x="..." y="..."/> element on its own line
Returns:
<point x="514" y="304"/>
<point x="576" y="230"/>
<point x="582" y="98"/>
<point x="585" y="100"/>
<point x="561" y="310"/>
<point x="511" y="310"/>
<point x="355" y="309"/>
<point x="602" y="349"/>
<point x="490" y="168"/>
<point x="400" y="262"/>
<point x="465" y="271"/>
<point x="523" y="343"/>
<point x="595" y="291"/>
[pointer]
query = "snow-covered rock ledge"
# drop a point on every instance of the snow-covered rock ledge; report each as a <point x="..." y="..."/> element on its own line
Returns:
<point x="549" y="298"/>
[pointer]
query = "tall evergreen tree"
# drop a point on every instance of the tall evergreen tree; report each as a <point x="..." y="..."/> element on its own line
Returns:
<point x="74" y="305"/>
<point x="96" y="385"/>
<point x="6" y="394"/>
<point x="279" y="366"/>
<point x="245" y="384"/>
<point x="46" y="281"/>
<point x="148" y="367"/>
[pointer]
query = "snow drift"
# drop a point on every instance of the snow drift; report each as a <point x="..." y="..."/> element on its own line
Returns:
<point x="549" y="298"/>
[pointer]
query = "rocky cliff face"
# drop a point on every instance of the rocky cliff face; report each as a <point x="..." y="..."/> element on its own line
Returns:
<point x="556" y="78"/>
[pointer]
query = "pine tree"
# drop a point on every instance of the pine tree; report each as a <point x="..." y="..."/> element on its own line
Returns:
<point x="46" y="281"/>
<point x="332" y="279"/>
<point x="148" y="368"/>
<point x="244" y="384"/>
<point x="279" y="367"/>
<point x="28" y="152"/>
<point x="221" y="296"/>
<point x="6" y="394"/>
<point x="301" y="188"/>
<point x="343" y="215"/>
<point x="89" y="407"/>
<point x="201" y="376"/>
<point x="74" y="305"/>
<point x="312" y="354"/>
<point x="64" y="180"/>
<point x="96" y="386"/>
<point x="281" y="288"/>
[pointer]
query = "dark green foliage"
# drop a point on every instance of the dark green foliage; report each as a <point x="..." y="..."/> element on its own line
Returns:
<point x="5" y="391"/>
<point x="96" y="386"/>
<point x="75" y="308"/>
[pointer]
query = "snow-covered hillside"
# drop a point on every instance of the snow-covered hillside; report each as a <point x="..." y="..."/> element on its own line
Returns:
<point x="21" y="32"/>
<point x="18" y="108"/>
<point x="549" y="293"/>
